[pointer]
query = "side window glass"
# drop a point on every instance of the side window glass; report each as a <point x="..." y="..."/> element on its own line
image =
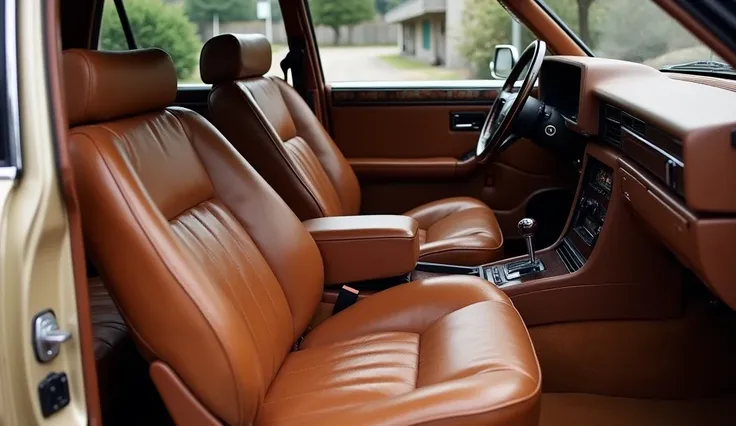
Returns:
<point x="10" y="155"/>
<point x="180" y="27"/>
<point x="405" y="40"/>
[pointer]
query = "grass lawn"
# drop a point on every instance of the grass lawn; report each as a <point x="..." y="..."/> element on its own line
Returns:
<point x="430" y="72"/>
<point x="404" y="63"/>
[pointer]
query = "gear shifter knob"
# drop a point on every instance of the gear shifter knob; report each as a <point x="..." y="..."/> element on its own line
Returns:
<point x="527" y="228"/>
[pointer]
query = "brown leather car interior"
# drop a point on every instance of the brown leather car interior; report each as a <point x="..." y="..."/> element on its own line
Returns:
<point x="271" y="125"/>
<point x="218" y="279"/>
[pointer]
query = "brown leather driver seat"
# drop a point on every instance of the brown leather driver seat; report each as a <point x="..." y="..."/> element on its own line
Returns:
<point x="269" y="123"/>
<point x="217" y="279"/>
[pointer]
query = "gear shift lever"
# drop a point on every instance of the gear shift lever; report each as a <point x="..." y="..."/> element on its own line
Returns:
<point x="527" y="228"/>
<point x="516" y="270"/>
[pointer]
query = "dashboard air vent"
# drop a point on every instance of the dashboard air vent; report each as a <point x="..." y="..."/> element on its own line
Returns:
<point x="634" y="124"/>
<point x="610" y="127"/>
<point x="570" y="256"/>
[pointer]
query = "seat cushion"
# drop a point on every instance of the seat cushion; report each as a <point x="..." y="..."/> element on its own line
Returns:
<point x="450" y="349"/>
<point x="459" y="231"/>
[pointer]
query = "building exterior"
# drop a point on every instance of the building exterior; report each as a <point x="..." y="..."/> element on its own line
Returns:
<point x="430" y="30"/>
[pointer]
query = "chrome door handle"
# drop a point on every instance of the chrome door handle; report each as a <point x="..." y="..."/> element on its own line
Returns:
<point x="47" y="337"/>
<point x="467" y="121"/>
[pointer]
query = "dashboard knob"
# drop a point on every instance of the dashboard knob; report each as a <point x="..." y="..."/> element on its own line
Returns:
<point x="591" y="205"/>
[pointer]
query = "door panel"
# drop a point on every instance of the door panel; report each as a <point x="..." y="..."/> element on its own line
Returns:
<point x="407" y="131"/>
<point x="401" y="145"/>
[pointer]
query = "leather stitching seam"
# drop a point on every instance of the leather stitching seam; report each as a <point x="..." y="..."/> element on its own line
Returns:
<point x="245" y="253"/>
<point x="215" y="261"/>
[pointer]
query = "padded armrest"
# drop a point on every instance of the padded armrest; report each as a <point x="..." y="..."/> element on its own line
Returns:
<point x="360" y="248"/>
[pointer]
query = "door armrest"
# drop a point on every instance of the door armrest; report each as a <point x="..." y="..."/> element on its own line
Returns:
<point x="425" y="168"/>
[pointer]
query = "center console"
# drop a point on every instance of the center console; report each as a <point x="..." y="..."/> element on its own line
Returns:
<point x="587" y="222"/>
<point x="589" y="215"/>
<point x="603" y="266"/>
<point x="518" y="269"/>
<point x="591" y="209"/>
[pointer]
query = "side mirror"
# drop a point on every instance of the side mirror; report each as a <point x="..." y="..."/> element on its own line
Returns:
<point x="504" y="60"/>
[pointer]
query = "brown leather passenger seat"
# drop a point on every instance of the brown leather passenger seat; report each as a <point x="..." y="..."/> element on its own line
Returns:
<point x="218" y="280"/>
<point x="271" y="125"/>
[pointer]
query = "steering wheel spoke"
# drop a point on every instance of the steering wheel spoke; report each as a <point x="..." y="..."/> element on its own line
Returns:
<point x="495" y="135"/>
<point x="503" y="96"/>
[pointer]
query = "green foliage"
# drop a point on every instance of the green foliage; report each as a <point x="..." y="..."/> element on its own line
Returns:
<point x="227" y="10"/>
<point x="337" y="13"/>
<point x="569" y="11"/>
<point x="632" y="30"/>
<point x="487" y="24"/>
<point x="154" y="24"/>
<point x="639" y="31"/>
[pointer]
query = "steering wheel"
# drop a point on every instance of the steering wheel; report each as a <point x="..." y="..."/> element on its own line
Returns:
<point x="496" y="129"/>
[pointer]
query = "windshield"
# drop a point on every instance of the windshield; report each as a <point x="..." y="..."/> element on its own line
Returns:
<point x="635" y="31"/>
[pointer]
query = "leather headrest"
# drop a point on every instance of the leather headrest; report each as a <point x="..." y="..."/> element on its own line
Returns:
<point x="228" y="57"/>
<point x="102" y="86"/>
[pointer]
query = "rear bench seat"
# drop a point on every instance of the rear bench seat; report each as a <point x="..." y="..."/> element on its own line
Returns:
<point x="114" y="348"/>
<point x="107" y="324"/>
<point x="122" y="373"/>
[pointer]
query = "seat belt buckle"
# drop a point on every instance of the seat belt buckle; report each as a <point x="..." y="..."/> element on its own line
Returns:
<point x="345" y="298"/>
<point x="295" y="346"/>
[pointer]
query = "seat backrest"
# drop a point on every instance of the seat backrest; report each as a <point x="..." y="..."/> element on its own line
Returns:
<point x="213" y="272"/>
<point x="271" y="125"/>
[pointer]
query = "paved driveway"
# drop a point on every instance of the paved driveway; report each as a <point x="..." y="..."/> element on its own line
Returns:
<point x="355" y="63"/>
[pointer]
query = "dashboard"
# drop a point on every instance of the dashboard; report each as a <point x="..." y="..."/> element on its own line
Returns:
<point x="684" y="133"/>
<point x="676" y="158"/>
<point x="658" y="152"/>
